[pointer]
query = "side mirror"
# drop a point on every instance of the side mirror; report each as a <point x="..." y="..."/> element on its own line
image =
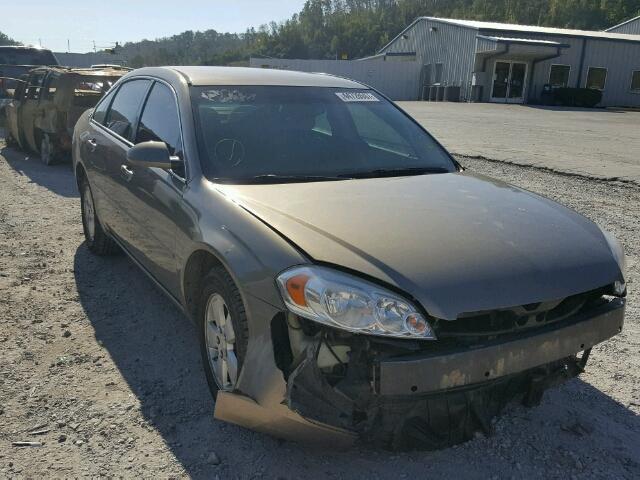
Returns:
<point x="150" y="154"/>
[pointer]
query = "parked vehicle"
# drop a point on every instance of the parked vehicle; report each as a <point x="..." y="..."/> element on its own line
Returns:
<point x="347" y="276"/>
<point x="16" y="61"/>
<point x="48" y="102"/>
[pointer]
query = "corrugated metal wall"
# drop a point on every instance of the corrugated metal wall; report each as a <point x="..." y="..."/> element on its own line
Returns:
<point x="455" y="47"/>
<point x="436" y="42"/>
<point x="397" y="79"/>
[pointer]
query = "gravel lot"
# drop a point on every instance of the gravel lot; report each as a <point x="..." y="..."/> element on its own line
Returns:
<point x="98" y="366"/>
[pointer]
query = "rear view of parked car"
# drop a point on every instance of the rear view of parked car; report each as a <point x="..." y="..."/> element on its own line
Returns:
<point x="347" y="276"/>
<point x="47" y="103"/>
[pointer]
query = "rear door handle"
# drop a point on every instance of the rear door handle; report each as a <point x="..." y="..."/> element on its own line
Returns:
<point x="92" y="144"/>
<point x="126" y="172"/>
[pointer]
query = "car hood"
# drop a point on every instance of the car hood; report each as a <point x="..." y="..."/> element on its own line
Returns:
<point x="457" y="243"/>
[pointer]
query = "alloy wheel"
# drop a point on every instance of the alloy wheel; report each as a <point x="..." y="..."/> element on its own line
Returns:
<point x="88" y="213"/>
<point x="220" y="343"/>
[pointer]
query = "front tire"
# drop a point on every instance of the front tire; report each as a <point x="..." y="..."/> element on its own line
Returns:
<point x="224" y="332"/>
<point x="98" y="241"/>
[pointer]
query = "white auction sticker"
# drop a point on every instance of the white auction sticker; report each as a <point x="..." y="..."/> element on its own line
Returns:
<point x="357" y="97"/>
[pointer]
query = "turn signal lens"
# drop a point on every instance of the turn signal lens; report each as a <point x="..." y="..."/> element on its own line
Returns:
<point x="295" y="289"/>
<point x="417" y="324"/>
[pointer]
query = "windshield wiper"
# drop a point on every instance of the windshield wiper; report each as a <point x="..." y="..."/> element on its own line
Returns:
<point x="276" y="178"/>
<point x="397" y="172"/>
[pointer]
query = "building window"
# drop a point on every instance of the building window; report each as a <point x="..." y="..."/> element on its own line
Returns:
<point x="635" y="81"/>
<point x="559" y="75"/>
<point x="596" y="78"/>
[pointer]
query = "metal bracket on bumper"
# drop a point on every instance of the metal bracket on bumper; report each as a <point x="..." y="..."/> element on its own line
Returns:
<point x="442" y="372"/>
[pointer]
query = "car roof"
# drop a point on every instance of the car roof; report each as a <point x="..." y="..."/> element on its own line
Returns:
<point x="204" y="76"/>
<point x="102" y="72"/>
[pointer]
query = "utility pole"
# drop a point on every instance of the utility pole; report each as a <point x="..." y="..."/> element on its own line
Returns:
<point x="40" y="42"/>
<point x="94" y="46"/>
<point x="68" y="46"/>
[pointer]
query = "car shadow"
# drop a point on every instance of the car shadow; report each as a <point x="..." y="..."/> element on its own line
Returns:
<point x="57" y="178"/>
<point x="154" y="347"/>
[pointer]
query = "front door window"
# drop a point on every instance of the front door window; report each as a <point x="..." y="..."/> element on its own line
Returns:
<point x="509" y="82"/>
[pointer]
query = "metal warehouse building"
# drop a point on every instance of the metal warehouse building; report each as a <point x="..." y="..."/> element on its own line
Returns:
<point x="495" y="62"/>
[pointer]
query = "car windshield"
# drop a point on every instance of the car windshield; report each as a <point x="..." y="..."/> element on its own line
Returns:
<point x="277" y="134"/>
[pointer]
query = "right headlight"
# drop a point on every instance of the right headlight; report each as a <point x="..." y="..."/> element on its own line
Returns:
<point x="349" y="303"/>
<point x="619" y="286"/>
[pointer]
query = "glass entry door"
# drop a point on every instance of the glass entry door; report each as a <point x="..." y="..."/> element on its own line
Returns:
<point x="509" y="82"/>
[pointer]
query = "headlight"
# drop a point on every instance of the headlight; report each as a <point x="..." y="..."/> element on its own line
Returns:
<point x="343" y="301"/>
<point x="619" y="286"/>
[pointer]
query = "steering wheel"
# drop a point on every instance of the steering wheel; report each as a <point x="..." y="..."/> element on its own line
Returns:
<point x="229" y="151"/>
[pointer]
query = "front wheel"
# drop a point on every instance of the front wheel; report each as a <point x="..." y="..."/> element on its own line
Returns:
<point x="223" y="331"/>
<point x="98" y="241"/>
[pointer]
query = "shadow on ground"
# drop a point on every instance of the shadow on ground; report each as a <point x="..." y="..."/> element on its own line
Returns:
<point x="57" y="178"/>
<point x="155" y="349"/>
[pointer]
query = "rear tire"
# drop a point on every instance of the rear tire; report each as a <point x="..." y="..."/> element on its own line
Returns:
<point x="98" y="241"/>
<point x="223" y="337"/>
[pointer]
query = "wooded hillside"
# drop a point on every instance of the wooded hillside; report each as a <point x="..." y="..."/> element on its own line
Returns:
<point x="357" y="28"/>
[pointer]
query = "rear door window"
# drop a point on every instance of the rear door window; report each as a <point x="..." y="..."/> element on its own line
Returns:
<point x="123" y="114"/>
<point x="159" y="121"/>
<point x="88" y="90"/>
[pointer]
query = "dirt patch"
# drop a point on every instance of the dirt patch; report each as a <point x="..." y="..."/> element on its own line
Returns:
<point x="102" y="371"/>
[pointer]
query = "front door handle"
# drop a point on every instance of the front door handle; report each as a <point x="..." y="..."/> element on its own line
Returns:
<point x="126" y="172"/>
<point x="92" y="144"/>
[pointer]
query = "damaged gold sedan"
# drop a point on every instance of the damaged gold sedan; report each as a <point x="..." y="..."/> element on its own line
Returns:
<point x="347" y="276"/>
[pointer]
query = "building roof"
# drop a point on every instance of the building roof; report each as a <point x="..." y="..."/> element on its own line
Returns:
<point x="258" y="76"/>
<point x="512" y="27"/>
<point x="626" y="22"/>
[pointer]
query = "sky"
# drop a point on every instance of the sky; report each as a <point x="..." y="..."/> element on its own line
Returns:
<point x="53" y="22"/>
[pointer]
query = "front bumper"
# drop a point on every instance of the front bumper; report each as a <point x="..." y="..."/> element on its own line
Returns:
<point x="425" y="401"/>
<point x="408" y="376"/>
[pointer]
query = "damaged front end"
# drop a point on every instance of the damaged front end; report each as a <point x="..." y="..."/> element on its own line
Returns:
<point x="410" y="394"/>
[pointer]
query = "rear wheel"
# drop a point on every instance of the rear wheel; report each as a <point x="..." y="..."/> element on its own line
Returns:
<point x="223" y="331"/>
<point x="98" y="241"/>
<point x="48" y="150"/>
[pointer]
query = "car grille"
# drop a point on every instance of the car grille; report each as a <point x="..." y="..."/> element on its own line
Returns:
<point x="504" y="321"/>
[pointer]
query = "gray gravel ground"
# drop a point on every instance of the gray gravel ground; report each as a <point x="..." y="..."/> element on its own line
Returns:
<point x="102" y="370"/>
<point x="597" y="142"/>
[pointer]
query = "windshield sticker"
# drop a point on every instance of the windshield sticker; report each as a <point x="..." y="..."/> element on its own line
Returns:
<point x="357" y="97"/>
<point x="225" y="95"/>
